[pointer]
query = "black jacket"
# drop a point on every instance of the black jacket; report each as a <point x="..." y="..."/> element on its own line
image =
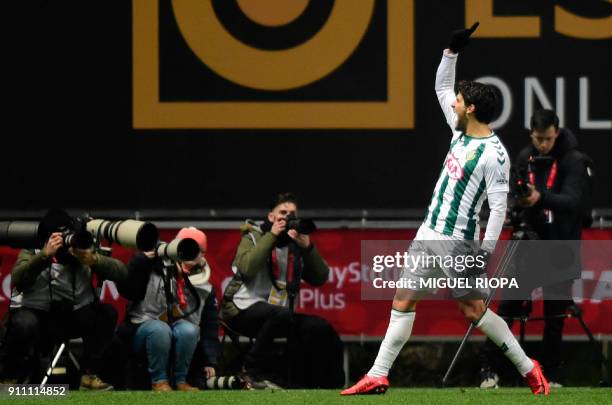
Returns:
<point x="566" y="197"/>
<point x="554" y="262"/>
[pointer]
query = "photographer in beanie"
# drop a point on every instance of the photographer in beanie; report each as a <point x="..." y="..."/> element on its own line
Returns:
<point x="255" y="302"/>
<point x="171" y="302"/>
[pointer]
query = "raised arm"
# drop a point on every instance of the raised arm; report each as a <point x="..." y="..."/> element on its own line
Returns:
<point x="445" y="86"/>
<point x="445" y="76"/>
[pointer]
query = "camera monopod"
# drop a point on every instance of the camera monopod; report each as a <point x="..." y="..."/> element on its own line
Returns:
<point x="500" y="271"/>
<point x="293" y="290"/>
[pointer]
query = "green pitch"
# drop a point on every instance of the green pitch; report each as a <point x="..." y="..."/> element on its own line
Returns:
<point x="514" y="396"/>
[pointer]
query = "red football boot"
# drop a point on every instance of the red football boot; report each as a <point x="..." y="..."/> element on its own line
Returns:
<point x="368" y="385"/>
<point x="536" y="380"/>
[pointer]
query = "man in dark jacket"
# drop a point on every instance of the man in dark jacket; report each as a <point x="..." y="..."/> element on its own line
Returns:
<point x="556" y="179"/>
<point x="256" y="301"/>
<point x="554" y="206"/>
<point x="57" y="302"/>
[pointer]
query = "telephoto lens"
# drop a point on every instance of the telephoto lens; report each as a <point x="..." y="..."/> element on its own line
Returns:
<point x="178" y="250"/>
<point x="22" y="234"/>
<point x="128" y="233"/>
<point x="225" y="383"/>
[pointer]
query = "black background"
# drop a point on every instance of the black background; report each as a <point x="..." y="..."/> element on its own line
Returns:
<point x="67" y="127"/>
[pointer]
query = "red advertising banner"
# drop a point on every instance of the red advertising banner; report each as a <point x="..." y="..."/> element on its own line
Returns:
<point x="339" y="300"/>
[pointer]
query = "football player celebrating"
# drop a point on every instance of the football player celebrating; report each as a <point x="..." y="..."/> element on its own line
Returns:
<point x="476" y="168"/>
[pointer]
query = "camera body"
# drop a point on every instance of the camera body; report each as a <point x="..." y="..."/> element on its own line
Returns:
<point x="536" y="165"/>
<point x="301" y="225"/>
<point x="75" y="233"/>
<point x="521" y="188"/>
<point x="525" y="219"/>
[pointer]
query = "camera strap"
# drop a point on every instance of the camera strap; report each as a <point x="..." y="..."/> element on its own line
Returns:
<point x="50" y="278"/>
<point x="194" y="293"/>
<point x="172" y="271"/>
<point x="167" y="275"/>
<point x="278" y="273"/>
<point x="293" y="283"/>
<point x="550" y="181"/>
<point x="50" y="269"/>
<point x="552" y="174"/>
<point x="73" y="274"/>
<point x="295" y="265"/>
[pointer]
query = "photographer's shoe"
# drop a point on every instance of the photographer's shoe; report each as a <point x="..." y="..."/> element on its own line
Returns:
<point x="368" y="385"/>
<point x="186" y="387"/>
<point x="536" y="380"/>
<point x="161" y="386"/>
<point x="93" y="383"/>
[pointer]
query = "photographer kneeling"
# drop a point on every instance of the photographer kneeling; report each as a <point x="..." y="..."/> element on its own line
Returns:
<point x="58" y="302"/>
<point x="270" y="263"/>
<point x="172" y="307"/>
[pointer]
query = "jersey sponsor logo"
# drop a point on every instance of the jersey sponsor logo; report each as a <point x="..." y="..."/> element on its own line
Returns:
<point x="453" y="167"/>
<point x="502" y="181"/>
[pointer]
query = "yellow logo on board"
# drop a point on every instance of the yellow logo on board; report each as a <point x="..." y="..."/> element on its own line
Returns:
<point x="272" y="70"/>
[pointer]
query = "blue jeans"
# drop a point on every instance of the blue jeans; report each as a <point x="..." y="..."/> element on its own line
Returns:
<point x="156" y="338"/>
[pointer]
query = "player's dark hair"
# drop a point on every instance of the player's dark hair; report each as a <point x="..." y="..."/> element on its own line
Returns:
<point x="282" y="198"/>
<point x="543" y="119"/>
<point x="485" y="98"/>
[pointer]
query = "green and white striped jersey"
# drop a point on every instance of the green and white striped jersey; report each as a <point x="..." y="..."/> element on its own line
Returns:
<point x="473" y="168"/>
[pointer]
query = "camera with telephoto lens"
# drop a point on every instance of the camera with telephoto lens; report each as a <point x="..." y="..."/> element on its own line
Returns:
<point x="77" y="237"/>
<point x="34" y="234"/>
<point x="301" y="225"/>
<point x="80" y="232"/>
<point x="178" y="250"/>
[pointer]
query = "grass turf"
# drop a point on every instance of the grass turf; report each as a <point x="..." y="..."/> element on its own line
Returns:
<point x="394" y="396"/>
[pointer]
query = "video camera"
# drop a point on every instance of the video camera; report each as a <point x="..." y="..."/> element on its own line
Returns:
<point x="526" y="176"/>
<point x="522" y="219"/>
<point x="522" y="189"/>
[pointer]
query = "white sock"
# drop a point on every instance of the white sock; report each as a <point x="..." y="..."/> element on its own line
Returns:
<point x="398" y="332"/>
<point x="497" y="330"/>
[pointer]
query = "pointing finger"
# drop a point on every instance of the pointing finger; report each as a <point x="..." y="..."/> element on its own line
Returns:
<point x="473" y="27"/>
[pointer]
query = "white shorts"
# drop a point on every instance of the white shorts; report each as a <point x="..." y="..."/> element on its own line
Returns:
<point x="431" y="244"/>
